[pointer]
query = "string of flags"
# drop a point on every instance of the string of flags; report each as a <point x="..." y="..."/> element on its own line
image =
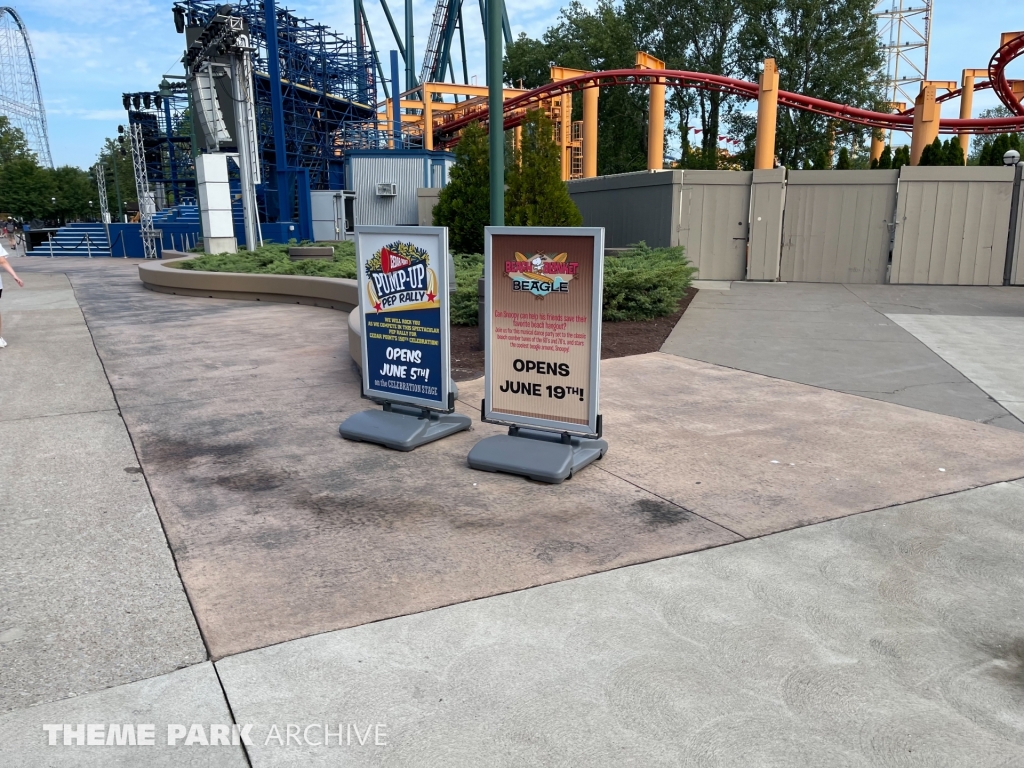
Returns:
<point x="726" y="139"/>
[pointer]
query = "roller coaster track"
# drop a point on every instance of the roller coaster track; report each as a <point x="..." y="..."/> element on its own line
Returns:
<point x="447" y="126"/>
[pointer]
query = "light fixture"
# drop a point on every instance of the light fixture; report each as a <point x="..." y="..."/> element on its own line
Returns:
<point x="1012" y="157"/>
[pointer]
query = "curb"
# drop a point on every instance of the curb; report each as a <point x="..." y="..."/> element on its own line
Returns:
<point x="334" y="293"/>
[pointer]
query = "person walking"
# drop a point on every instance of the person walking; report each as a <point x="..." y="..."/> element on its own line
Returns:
<point x="6" y="267"/>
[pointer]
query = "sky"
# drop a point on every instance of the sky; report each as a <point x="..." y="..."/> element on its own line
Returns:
<point x="89" y="52"/>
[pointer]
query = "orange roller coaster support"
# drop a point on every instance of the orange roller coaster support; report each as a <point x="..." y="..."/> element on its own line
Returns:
<point x="590" y="97"/>
<point x="926" y="117"/>
<point x="655" y="113"/>
<point x="562" y="115"/>
<point x="767" y="114"/>
<point x="967" y="103"/>
<point x="926" y="122"/>
<point x="877" y="145"/>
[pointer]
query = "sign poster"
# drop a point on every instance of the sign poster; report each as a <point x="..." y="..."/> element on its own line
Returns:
<point x="403" y="298"/>
<point x="543" y="350"/>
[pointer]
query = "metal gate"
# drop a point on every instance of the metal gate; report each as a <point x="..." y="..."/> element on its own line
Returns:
<point x="837" y="226"/>
<point x="767" y="202"/>
<point x="952" y="225"/>
<point x="713" y="222"/>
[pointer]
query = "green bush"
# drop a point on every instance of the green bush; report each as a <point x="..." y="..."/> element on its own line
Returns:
<point x="640" y="284"/>
<point x="644" y="283"/>
<point x="469" y="268"/>
<point x="273" y="259"/>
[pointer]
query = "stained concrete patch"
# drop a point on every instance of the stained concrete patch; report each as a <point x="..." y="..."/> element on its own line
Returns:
<point x="282" y="529"/>
<point x="892" y="638"/>
<point x="91" y="597"/>
<point x="988" y="350"/>
<point x="184" y="697"/>
<point x="758" y="455"/>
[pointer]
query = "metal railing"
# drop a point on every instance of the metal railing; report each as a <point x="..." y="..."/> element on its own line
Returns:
<point x="89" y="245"/>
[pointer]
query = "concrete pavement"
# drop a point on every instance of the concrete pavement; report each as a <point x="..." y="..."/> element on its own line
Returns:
<point x="90" y="594"/>
<point x="839" y="337"/>
<point x="886" y="637"/>
<point x="989" y="350"/>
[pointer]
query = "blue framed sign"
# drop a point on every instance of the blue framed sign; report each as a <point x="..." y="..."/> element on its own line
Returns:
<point x="403" y="301"/>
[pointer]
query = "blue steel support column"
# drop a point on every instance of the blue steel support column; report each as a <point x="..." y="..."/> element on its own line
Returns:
<point x="284" y="208"/>
<point x="396" y="101"/>
<point x="495" y="116"/>
<point x="170" y="152"/>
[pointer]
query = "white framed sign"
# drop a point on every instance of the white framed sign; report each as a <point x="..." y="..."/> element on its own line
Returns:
<point x="543" y="289"/>
<point x="403" y="301"/>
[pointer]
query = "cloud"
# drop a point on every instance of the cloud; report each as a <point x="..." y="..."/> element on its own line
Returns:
<point x="90" y="114"/>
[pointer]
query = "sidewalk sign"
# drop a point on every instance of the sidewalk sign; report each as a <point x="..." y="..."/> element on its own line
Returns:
<point x="404" y="314"/>
<point x="543" y="293"/>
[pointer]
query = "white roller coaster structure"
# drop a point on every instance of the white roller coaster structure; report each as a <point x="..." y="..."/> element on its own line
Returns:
<point x="20" y="98"/>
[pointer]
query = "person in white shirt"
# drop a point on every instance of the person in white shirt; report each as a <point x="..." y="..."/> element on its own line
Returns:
<point x="6" y="267"/>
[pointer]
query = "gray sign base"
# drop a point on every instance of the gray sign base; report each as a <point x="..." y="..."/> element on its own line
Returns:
<point x="546" y="457"/>
<point x="403" y="427"/>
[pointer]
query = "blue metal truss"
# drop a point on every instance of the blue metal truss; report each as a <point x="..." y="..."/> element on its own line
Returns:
<point x="166" y="140"/>
<point x="326" y="81"/>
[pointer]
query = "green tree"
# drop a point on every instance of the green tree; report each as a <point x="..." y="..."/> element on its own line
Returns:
<point x="464" y="204"/>
<point x="933" y="154"/>
<point x="120" y="176"/>
<point x="75" y="193"/>
<point x="952" y="152"/>
<point x="900" y="157"/>
<point x="843" y="163"/>
<point x="13" y="145"/>
<point x="885" y="161"/>
<point x="695" y="36"/>
<point x="537" y="196"/>
<point x="982" y="142"/>
<point x="26" y="189"/>
<point x="599" y="39"/>
<point x="992" y="154"/>
<point x="527" y="63"/>
<point x="823" y="48"/>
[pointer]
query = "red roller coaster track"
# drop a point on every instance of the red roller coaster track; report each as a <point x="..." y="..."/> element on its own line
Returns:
<point x="446" y="133"/>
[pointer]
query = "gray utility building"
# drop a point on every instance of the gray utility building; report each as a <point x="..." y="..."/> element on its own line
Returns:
<point x="385" y="181"/>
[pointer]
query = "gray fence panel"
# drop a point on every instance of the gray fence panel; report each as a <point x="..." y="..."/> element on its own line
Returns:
<point x="837" y="226"/>
<point x="631" y="207"/>
<point x="951" y="225"/>
<point x="767" y="202"/>
<point x="714" y="220"/>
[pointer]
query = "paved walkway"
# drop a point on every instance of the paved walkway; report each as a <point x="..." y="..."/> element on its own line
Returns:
<point x="319" y="571"/>
<point x="849" y="338"/>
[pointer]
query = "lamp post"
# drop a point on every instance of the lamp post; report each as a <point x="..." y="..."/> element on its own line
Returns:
<point x="495" y="116"/>
<point x="1011" y="159"/>
<point x="53" y="204"/>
